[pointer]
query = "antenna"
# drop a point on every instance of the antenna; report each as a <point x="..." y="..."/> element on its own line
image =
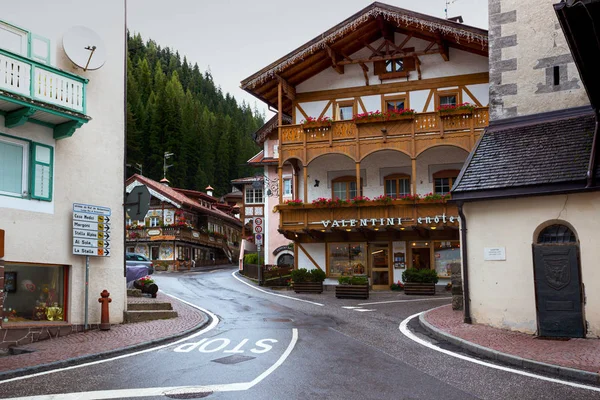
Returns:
<point x="165" y="165"/>
<point x="84" y="48"/>
<point x="448" y="2"/>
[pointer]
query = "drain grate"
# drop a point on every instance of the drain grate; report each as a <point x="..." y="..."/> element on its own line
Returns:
<point x="235" y="359"/>
<point x="199" y="395"/>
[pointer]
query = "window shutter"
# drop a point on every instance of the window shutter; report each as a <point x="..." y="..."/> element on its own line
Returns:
<point x="42" y="165"/>
<point x="379" y="67"/>
<point x="276" y="151"/>
<point x="409" y="63"/>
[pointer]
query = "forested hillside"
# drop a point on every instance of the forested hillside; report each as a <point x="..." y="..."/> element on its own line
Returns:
<point x="173" y="106"/>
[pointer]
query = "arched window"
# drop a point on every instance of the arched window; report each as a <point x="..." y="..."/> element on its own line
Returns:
<point x="344" y="188"/>
<point x="443" y="180"/>
<point x="554" y="234"/>
<point x="285" y="260"/>
<point x="397" y="185"/>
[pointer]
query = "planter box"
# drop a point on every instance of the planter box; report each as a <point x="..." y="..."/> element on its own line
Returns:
<point x="352" y="291"/>
<point x="419" y="288"/>
<point x="455" y="112"/>
<point x="308" y="287"/>
<point x="316" y="125"/>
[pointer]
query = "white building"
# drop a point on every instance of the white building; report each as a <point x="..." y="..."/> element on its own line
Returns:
<point x="61" y="142"/>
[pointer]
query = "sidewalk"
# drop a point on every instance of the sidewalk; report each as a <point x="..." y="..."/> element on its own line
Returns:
<point x="572" y="358"/>
<point x="92" y="345"/>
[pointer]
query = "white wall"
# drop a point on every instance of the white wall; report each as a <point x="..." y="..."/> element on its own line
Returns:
<point x="88" y="166"/>
<point x="317" y="251"/>
<point x="502" y="292"/>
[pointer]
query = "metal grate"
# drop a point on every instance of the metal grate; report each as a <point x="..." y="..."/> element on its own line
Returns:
<point x="556" y="234"/>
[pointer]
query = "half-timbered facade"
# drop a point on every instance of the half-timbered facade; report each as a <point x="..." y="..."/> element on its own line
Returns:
<point x="183" y="227"/>
<point x="376" y="139"/>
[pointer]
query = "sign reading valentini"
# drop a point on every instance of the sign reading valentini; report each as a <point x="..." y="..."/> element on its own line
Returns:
<point x="388" y="221"/>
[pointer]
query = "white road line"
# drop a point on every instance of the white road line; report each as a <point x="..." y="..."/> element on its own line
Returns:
<point x="173" y="390"/>
<point x="404" y="301"/>
<point x="274" y="294"/>
<point x="350" y="307"/>
<point x="212" y="325"/>
<point x="404" y="329"/>
<point x="363" y="310"/>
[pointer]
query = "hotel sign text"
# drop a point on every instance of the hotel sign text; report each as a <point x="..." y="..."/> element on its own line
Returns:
<point x="343" y="223"/>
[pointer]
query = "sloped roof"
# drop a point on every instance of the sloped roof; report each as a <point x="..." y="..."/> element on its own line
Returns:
<point x="180" y="198"/>
<point x="260" y="159"/>
<point x="553" y="148"/>
<point x="264" y="131"/>
<point x="349" y="36"/>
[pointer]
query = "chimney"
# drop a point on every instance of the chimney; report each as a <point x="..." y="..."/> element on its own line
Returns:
<point x="209" y="190"/>
<point x="165" y="181"/>
<point x="458" y="19"/>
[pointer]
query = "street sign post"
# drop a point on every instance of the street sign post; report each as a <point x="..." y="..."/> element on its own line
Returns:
<point x="91" y="233"/>
<point x="137" y="203"/>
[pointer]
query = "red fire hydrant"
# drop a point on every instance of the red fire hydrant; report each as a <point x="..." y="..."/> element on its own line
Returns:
<point x="104" y="316"/>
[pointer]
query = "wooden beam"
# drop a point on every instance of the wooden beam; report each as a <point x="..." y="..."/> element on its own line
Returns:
<point x="302" y="111"/>
<point x="406" y="39"/>
<point x="395" y="56"/>
<point x="468" y="92"/>
<point x="325" y="109"/>
<point x="365" y="73"/>
<point x="18" y="117"/>
<point x="66" y="129"/>
<point x="443" y="49"/>
<point x="312" y="260"/>
<point x="334" y="60"/>
<point x="288" y="89"/>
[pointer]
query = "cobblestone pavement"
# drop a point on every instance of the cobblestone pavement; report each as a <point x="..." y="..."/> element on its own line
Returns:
<point x="97" y="342"/>
<point x="582" y="354"/>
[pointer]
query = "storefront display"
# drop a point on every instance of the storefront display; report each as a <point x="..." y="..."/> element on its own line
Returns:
<point x="347" y="259"/>
<point x="399" y="255"/>
<point x="446" y="255"/>
<point x="34" y="293"/>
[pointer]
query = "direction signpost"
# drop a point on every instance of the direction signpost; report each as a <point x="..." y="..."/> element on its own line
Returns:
<point x="91" y="237"/>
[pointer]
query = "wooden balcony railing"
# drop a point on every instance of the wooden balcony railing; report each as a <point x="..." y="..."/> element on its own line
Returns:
<point x="398" y="214"/>
<point x="428" y="125"/>
<point x="177" y="234"/>
<point x="37" y="81"/>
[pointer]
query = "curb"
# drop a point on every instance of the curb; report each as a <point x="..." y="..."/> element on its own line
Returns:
<point x="98" y="356"/>
<point x="538" y="366"/>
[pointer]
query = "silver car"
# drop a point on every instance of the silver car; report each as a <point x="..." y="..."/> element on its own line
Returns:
<point x="133" y="259"/>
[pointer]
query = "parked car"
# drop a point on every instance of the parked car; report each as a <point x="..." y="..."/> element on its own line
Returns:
<point x="133" y="259"/>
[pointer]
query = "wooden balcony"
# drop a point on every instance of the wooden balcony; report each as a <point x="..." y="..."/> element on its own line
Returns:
<point x="178" y="235"/>
<point x="410" y="136"/>
<point x="36" y="92"/>
<point x="370" y="216"/>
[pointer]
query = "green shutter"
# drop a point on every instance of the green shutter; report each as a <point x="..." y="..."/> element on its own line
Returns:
<point x="42" y="168"/>
<point x="11" y="169"/>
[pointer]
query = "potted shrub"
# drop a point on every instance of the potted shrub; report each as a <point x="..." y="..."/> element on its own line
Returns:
<point x="352" y="287"/>
<point x="146" y="285"/>
<point x="305" y="281"/>
<point x="419" y="281"/>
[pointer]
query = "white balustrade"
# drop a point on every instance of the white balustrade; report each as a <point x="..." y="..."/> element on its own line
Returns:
<point x="57" y="89"/>
<point x="15" y="76"/>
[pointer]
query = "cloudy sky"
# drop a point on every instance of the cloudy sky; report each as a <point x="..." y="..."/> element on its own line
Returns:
<point x="236" y="38"/>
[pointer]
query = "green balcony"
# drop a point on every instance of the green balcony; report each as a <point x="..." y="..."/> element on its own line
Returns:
<point x="31" y="91"/>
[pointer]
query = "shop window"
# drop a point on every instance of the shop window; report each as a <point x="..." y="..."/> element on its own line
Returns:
<point x="287" y="187"/>
<point x="26" y="169"/>
<point x="397" y="185"/>
<point x="254" y="196"/>
<point x="446" y="257"/>
<point x="34" y="293"/>
<point x="347" y="259"/>
<point x="345" y="110"/>
<point x="344" y="188"/>
<point x="443" y="181"/>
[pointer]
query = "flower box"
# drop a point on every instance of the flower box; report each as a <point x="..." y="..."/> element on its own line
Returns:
<point x="308" y="287"/>
<point x="311" y="125"/>
<point x="352" y="291"/>
<point x="395" y="117"/>
<point x="372" y="120"/>
<point x="451" y="112"/>
<point x="414" y="288"/>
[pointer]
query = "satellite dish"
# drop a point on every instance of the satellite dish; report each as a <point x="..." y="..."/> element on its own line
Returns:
<point x="84" y="47"/>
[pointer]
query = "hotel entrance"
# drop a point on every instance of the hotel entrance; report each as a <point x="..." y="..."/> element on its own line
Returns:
<point x="380" y="265"/>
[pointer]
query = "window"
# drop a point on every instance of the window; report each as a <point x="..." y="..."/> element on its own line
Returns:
<point x="153" y="222"/>
<point x="287" y="187"/>
<point x="397" y="185"/>
<point x="395" y="104"/>
<point x="35" y="293"/>
<point x="394" y="65"/>
<point x="25" y="169"/>
<point x="285" y="260"/>
<point x="344" y="188"/>
<point x="14" y="39"/>
<point x="345" y="110"/>
<point x="254" y="196"/>
<point x="447" y="98"/>
<point x="443" y="181"/>
<point x="447" y="257"/>
<point x="347" y="259"/>
<point x="276" y="151"/>
<point x="397" y="68"/>
<point x="556" y="234"/>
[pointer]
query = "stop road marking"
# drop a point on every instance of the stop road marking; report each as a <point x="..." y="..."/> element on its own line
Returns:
<point x="219" y="344"/>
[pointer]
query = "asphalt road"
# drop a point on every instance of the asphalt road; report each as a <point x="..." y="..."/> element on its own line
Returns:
<point x="265" y="346"/>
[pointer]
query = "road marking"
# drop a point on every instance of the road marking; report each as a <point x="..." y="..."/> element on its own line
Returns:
<point x="202" y="345"/>
<point x="350" y="307"/>
<point x="234" y="274"/>
<point x="173" y="390"/>
<point x="363" y="310"/>
<point x="404" y="329"/>
<point x="404" y="301"/>
<point x="212" y="325"/>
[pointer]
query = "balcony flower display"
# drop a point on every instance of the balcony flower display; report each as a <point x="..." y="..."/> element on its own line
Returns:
<point x="462" y="108"/>
<point x="330" y="203"/>
<point x="385" y="199"/>
<point x="379" y="116"/>
<point x="316" y="123"/>
<point x="295" y="203"/>
<point x="410" y="197"/>
<point x="358" y="200"/>
<point x="320" y="202"/>
<point x="436" y="197"/>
